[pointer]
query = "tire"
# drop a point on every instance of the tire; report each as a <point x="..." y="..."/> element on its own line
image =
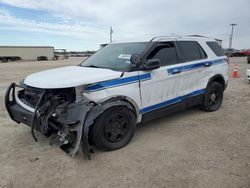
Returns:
<point x="114" y="128"/>
<point x="213" y="97"/>
<point x="4" y="60"/>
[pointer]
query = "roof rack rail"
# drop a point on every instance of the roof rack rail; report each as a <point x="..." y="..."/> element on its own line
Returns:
<point x="178" y="36"/>
<point x="202" y="36"/>
<point x="195" y="35"/>
<point x="166" y="36"/>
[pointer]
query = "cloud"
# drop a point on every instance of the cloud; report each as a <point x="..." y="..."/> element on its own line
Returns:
<point x="140" y="19"/>
<point x="78" y="30"/>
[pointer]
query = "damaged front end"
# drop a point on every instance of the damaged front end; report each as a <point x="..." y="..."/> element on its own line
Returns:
<point x="56" y="113"/>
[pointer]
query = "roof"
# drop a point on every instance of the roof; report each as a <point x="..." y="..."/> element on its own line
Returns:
<point x="171" y="37"/>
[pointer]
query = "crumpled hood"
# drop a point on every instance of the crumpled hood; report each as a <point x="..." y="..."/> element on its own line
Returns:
<point x="70" y="76"/>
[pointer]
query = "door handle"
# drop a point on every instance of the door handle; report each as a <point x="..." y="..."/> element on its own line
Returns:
<point x="207" y="64"/>
<point x="176" y="71"/>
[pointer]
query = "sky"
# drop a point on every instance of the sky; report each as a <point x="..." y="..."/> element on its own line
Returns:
<point x="85" y="24"/>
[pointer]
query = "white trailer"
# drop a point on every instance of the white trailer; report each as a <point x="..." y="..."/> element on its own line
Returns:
<point x="27" y="52"/>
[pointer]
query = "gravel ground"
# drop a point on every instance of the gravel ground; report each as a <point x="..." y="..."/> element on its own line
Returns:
<point x="188" y="149"/>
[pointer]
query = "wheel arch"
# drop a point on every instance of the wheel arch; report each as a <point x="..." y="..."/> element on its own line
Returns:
<point x="217" y="78"/>
<point x="106" y="103"/>
<point x="127" y="100"/>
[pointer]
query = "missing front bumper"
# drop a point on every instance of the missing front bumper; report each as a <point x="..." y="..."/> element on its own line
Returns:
<point x="70" y="116"/>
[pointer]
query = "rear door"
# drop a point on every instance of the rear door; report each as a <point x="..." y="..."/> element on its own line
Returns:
<point x="196" y="67"/>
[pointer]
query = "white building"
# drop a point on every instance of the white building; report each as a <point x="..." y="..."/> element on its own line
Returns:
<point x="27" y="52"/>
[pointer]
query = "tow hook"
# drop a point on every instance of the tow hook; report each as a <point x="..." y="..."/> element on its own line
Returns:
<point x="59" y="139"/>
<point x="62" y="136"/>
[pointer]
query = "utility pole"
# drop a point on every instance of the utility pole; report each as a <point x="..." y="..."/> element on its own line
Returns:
<point x="231" y="35"/>
<point x="110" y="34"/>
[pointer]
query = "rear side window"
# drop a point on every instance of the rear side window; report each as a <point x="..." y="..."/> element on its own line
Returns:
<point x="190" y="51"/>
<point x="214" y="46"/>
<point x="166" y="53"/>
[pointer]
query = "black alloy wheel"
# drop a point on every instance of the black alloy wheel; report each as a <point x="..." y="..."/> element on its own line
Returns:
<point x="213" y="97"/>
<point x="114" y="128"/>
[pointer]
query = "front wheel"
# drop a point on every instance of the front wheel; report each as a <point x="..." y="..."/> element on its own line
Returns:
<point x="114" y="128"/>
<point x="213" y="97"/>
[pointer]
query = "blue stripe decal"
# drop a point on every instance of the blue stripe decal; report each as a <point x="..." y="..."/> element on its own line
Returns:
<point x="219" y="61"/>
<point x="171" y="101"/>
<point x="147" y="76"/>
<point x="195" y="66"/>
<point x="118" y="82"/>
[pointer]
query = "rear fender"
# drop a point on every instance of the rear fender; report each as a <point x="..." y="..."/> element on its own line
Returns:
<point x="217" y="78"/>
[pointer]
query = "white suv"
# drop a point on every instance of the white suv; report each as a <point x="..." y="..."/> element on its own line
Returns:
<point x="100" y="101"/>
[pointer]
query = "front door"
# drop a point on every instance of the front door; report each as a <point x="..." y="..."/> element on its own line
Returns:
<point x="164" y="86"/>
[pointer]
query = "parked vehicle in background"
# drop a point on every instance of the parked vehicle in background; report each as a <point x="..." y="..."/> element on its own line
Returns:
<point x="245" y="52"/>
<point x="5" y="59"/>
<point x="42" y="58"/>
<point x="100" y="101"/>
<point x="56" y="57"/>
<point x="230" y="52"/>
<point x="248" y="75"/>
<point x="248" y="59"/>
<point x="237" y="53"/>
<point x="87" y="55"/>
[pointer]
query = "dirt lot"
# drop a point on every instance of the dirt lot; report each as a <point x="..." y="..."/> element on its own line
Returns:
<point x="189" y="149"/>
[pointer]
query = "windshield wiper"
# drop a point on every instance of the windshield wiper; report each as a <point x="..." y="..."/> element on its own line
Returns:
<point x="92" y="66"/>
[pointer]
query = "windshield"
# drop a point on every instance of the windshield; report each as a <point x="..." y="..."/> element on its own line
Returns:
<point x="115" y="56"/>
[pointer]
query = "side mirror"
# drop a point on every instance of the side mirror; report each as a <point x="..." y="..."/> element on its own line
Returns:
<point x="135" y="59"/>
<point x="151" y="64"/>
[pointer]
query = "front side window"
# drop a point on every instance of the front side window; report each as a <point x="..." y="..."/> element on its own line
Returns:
<point x="115" y="56"/>
<point x="191" y="50"/>
<point x="166" y="53"/>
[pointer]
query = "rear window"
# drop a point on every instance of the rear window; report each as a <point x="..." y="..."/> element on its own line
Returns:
<point x="214" y="46"/>
<point x="191" y="50"/>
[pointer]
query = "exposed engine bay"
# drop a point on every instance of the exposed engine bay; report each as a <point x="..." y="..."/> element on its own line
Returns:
<point x="56" y="113"/>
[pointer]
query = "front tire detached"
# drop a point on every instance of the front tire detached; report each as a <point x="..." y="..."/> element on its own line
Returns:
<point x="213" y="97"/>
<point x="114" y="128"/>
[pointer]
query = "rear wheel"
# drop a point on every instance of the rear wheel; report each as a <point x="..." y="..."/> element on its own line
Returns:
<point x="114" y="128"/>
<point x="213" y="97"/>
